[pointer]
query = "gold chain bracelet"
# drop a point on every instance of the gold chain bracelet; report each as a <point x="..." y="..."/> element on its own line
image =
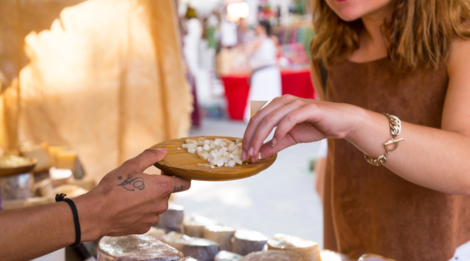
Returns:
<point x="395" y="130"/>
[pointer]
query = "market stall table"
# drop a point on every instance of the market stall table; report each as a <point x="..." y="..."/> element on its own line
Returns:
<point x="297" y="83"/>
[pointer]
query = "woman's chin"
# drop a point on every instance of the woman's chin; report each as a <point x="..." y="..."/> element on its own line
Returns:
<point x="348" y="15"/>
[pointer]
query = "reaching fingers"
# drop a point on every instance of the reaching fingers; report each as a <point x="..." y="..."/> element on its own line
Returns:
<point x="256" y="119"/>
<point x="268" y="123"/>
<point x="268" y="149"/>
<point x="144" y="160"/>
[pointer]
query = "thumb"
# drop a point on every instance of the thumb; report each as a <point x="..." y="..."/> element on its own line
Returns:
<point x="146" y="159"/>
<point x="268" y="149"/>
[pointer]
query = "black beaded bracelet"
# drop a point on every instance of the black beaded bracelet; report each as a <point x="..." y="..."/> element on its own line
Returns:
<point x="78" y="233"/>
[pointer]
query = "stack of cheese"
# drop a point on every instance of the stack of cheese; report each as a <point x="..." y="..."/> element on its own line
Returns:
<point x="220" y="234"/>
<point x="135" y="247"/>
<point x="308" y="250"/>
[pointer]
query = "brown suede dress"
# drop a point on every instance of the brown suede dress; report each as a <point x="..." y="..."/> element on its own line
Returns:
<point x="372" y="209"/>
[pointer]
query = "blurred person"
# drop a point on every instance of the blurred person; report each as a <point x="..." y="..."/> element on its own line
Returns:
<point x="265" y="81"/>
<point x="396" y="184"/>
<point x="244" y="34"/>
<point x="126" y="201"/>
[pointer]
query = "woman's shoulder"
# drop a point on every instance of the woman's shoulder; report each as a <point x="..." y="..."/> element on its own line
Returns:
<point x="459" y="52"/>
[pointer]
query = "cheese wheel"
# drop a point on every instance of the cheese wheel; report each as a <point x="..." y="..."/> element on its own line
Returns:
<point x="194" y="225"/>
<point x="327" y="255"/>
<point x="176" y="240"/>
<point x="309" y="250"/>
<point x="246" y="241"/>
<point x="201" y="249"/>
<point x="371" y="257"/>
<point x="272" y="255"/>
<point x="187" y="259"/>
<point x="135" y="247"/>
<point x="227" y="256"/>
<point x="220" y="234"/>
<point x="172" y="219"/>
<point x="156" y="233"/>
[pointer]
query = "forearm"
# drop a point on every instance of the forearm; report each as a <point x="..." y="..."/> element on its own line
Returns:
<point x="430" y="157"/>
<point x="32" y="232"/>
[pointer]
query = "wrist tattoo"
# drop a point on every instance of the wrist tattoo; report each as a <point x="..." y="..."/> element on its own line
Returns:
<point x="176" y="189"/>
<point x="132" y="183"/>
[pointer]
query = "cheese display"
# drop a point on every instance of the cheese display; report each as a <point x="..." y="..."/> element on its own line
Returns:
<point x="201" y="249"/>
<point x="39" y="152"/>
<point x="156" y="233"/>
<point x="309" y="250"/>
<point x="247" y="241"/>
<point x="227" y="256"/>
<point x="12" y="161"/>
<point x="220" y="234"/>
<point x="327" y="255"/>
<point x="218" y="152"/>
<point x="272" y="255"/>
<point x="371" y="257"/>
<point x="135" y="247"/>
<point x="194" y="225"/>
<point x="172" y="219"/>
<point x="176" y="240"/>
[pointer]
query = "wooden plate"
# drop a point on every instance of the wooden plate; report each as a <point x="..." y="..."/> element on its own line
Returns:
<point x="186" y="165"/>
<point x="18" y="170"/>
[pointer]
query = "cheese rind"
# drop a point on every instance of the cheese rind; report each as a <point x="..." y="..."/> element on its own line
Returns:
<point x="309" y="250"/>
<point x="220" y="234"/>
<point x="247" y="241"/>
<point x="201" y="249"/>
<point x="272" y="255"/>
<point x="176" y="240"/>
<point x="135" y="247"/>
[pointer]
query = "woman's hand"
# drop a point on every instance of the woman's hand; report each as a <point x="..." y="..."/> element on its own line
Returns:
<point x="127" y="201"/>
<point x="298" y="121"/>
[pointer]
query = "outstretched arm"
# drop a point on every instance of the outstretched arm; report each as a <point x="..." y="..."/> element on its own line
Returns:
<point x="430" y="157"/>
<point x="126" y="201"/>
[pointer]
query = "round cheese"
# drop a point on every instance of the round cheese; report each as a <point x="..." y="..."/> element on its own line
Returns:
<point x="227" y="256"/>
<point x="309" y="250"/>
<point x="220" y="234"/>
<point x="272" y="255"/>
<point x="201" y="249"/>
<point x="187" y="259"/>
<point x="327" y="255"/>
<point x="176" y="240"/>
<point x="247" y="241"/>
<point x="172" y="219"/>
<point x="194" y="225"/>
<point x="135" y="247"/>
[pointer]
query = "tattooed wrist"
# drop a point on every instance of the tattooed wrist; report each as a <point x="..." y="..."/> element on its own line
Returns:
<point x="176" y="189"/>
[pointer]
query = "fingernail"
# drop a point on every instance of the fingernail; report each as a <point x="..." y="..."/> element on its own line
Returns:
<point x="243" y="155"/>
<point x="250" y="151"/>
<point x="273" y="142"/>
<point x="162" y="150"/>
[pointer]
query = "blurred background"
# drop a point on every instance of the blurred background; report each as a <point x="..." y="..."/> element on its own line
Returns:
<point x="87" y="84"/>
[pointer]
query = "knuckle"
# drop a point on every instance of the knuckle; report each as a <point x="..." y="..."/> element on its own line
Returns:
<point x="143" y="230"/>
<point x="290" y="117"/>
<point x="254" y="118"/>
<point x="162" y="207"/>
<point x="288" y="97"/>
<point x="130" y="164"/>
<point x="312" y="106"/>
<point x="268" y="119"/>
<point x="299" y="102"/>
<point x="154" y="220"/>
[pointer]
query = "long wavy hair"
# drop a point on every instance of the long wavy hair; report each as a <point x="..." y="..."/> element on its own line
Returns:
<point x="419" y="33"/>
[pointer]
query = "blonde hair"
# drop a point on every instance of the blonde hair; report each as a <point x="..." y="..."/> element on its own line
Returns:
<point x="419" y="33"/>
